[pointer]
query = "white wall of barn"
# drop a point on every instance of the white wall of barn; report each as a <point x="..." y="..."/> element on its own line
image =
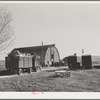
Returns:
<point x="51" y="50"/>
<point x="56" y="55"/>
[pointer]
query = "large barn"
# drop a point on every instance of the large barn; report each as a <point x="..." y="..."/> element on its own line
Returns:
<point x="49" y="54"/>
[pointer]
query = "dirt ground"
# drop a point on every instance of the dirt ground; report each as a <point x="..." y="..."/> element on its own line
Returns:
<point x="79" y="81"/>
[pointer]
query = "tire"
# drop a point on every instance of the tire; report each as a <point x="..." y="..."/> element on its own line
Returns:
<point x="30" y="70"/>
<point x="35" y="70"/>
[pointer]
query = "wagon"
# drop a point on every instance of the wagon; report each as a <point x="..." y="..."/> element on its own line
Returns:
<point x="74" y="62"/>
<point x="19" y="63"/>
<point x="90" y="61"/>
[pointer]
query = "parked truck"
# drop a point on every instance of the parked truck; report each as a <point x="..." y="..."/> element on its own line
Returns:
<point x="17" y="62"/>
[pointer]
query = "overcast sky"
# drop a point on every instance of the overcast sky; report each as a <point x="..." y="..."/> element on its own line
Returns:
<point x="71" y="26"/>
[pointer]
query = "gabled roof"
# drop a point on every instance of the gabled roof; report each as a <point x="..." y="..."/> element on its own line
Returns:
<point x="33" y="48"/>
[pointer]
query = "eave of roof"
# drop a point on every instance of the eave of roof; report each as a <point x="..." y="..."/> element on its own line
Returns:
<point x="35" y="47"/>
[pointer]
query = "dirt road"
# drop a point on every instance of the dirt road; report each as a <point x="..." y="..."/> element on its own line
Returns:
<point x="43" y="69"/>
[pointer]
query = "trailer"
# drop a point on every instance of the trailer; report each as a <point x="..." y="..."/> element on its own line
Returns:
<point x="86" y="61"/>
<point x="36" y="63"/>
<point x="17" y="62"/>
<point x="74" y="62"/>
<point x="90" y="61"/>
<point x="83" y="62"/>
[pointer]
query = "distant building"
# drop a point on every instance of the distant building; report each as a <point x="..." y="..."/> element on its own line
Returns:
<point x="49" y="54"/>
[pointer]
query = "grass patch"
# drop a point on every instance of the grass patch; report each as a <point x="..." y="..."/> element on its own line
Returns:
<point x="79" y="81"/>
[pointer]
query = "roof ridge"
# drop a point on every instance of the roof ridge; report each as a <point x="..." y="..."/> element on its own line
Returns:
<point x="35" y="46"/>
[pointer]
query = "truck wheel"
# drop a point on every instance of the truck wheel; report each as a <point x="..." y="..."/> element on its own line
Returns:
<point x="20" y="71"/>
<point x="29" y="71"/>
<point x="34" y="69"/>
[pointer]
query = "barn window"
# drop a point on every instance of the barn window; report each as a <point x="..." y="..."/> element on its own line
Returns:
<point x="52" y="56"/>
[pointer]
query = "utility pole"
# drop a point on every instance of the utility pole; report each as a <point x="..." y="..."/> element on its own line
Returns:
<point x="42" y="55"/>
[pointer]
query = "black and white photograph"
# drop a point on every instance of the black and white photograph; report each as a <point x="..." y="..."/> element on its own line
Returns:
<point x="50" y="47"/>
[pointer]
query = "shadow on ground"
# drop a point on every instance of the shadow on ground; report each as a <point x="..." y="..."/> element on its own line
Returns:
<point x="57" y="69"/>
<point x="5" y="72"/>
<point x="50" y="70"/>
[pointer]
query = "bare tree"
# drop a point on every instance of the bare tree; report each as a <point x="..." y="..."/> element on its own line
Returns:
<point x="6" y="30"/>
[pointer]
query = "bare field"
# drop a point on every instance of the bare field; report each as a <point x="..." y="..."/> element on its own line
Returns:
<point x="79" y="81"/>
